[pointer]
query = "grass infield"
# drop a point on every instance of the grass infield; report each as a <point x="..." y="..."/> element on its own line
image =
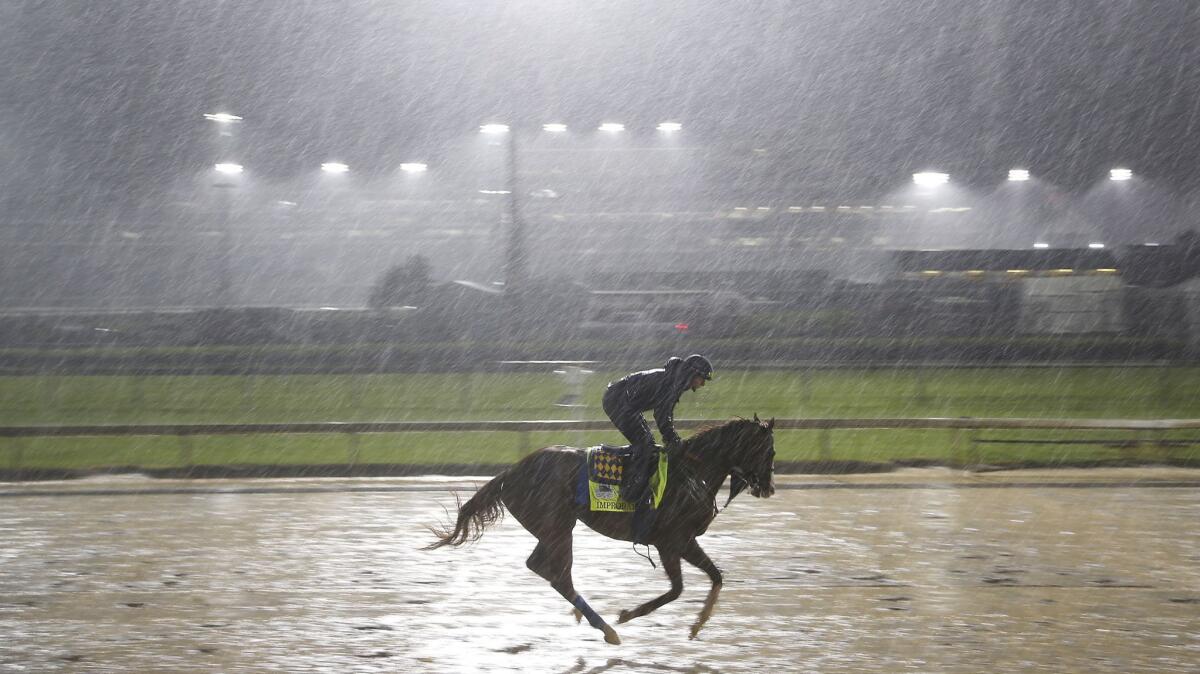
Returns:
<point x="1067" y="392"/>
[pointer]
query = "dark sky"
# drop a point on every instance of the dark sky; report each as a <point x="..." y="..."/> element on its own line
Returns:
<point x="108" y="96"/>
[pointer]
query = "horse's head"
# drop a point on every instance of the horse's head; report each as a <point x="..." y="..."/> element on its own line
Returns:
<point x="753" y="459"/>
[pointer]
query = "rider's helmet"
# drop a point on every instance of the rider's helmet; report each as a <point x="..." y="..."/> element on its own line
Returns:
<point x="699" y="365"/>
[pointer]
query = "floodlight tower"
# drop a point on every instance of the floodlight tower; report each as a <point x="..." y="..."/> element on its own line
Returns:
<point x="226" y="176"/>
<point x="225" y="182"/>
<point x="516" y="261"/>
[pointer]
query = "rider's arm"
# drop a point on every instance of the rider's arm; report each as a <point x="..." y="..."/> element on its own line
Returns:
<point x="664" y="418"/>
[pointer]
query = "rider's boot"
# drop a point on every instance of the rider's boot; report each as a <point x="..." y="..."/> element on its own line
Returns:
<point x="643" y="520"/>
<point x="645" y="513"/>
<point x="632" y="483"/>
<point x="636" y="478"/>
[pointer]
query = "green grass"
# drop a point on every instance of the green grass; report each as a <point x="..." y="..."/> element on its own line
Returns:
<point x="1147" y="393"/>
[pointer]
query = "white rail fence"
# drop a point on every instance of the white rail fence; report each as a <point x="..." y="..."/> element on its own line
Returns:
<point x="965" y="432"/>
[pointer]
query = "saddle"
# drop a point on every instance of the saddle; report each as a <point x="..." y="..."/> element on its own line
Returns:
<point x="600" y="480"/>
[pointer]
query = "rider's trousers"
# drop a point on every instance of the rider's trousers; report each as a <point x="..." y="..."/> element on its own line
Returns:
<point x="633" y="426"/>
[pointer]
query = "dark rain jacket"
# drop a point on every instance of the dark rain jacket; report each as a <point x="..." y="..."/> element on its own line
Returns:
<point x="658" y="389"/>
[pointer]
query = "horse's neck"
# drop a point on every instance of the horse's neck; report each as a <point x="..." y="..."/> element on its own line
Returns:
<point x="709" y="466"/>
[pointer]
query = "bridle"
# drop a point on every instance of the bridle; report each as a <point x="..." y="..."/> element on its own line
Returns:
<point x="740" y="477"/>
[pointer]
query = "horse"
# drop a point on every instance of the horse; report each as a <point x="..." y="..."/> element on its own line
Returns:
<point x="540" y="492"/>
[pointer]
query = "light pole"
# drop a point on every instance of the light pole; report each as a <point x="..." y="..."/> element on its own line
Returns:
<point x="516" y="257"/>
<point x="336" y="214"/>
<point x="226" y="182"/>
<point x="516" y="262"/>
<point x="224" y="141"/>
<point x="929" y="192"/>
<point x="1019" y="195"/>
<point x="516" y="266"/>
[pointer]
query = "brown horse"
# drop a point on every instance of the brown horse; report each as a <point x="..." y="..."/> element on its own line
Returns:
<point x="540" y="492"/>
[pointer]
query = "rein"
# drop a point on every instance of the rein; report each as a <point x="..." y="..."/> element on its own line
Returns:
<point x="694" y="460"/>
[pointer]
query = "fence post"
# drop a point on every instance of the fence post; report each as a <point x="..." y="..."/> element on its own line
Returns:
<point x="185" y="450"/>
<point x="18" y="454"/>
<point x="957" y="455"/>
<point x="50" y="390"/>
<point x="354" y="453"/>
<point x="1151" y="443"/>
<point x="522" y="444"/>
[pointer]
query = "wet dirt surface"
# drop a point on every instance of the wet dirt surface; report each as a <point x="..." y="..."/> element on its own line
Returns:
<point x="311" y="575"/>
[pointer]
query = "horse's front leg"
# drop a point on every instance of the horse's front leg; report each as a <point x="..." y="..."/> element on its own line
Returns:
<point x="697" y="558"/>
<point x="670" y="562"/>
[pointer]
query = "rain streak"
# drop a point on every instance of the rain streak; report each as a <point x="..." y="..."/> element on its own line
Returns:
<point x="536" y="335"/>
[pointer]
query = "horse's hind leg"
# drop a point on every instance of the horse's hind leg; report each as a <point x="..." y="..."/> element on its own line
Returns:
<point x="552" y="559"/>
<point x="697" y="558"/>
<point x="670" y="562"/>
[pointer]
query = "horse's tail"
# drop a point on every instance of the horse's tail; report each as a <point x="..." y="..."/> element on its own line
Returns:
<point x="480" y="511"/>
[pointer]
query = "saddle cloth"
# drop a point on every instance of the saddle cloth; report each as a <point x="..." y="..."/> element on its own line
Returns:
<point x="600" y="479"/>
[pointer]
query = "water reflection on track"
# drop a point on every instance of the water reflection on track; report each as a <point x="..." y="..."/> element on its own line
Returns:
<point x="328" y="576"/>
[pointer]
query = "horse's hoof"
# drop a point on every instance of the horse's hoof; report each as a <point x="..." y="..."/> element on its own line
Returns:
<point x="610" y="635"/>
<point x="694" y="632"/>
<point x="578" y="616"/>
<point x="624" y="617"/>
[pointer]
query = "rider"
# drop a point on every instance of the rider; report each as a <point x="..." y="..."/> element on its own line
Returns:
<point x="624" y="402"/>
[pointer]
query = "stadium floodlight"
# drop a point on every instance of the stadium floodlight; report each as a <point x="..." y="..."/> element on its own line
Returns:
<point x="612" y="127"/>
<point x="335" y="167"/>
<point x="414" y="167"/>
<point x="1018" y="175"/>
<point x="670" y="127"/>
<point x="493" y="129"/>
<point x="1095" y="245"/>
<point x="221" y="117"/>
<point x="554" y="128"/>
<point x="1119" y="174"/>
<point x="228" y="168"/>
<point x="930" y="178"/>
<point x="1041" y="244"/>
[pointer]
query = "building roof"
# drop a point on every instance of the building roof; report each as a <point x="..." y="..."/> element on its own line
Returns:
<point x="1161" y="266"/>
<point x="1000" y="260"/>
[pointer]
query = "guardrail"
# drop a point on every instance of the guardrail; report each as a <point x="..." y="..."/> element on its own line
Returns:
<point x="1149" y="431"/>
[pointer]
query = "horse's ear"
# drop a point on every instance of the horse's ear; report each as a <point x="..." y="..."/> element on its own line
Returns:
<point x="771" y="423"/>
<point x="756" y="418"/>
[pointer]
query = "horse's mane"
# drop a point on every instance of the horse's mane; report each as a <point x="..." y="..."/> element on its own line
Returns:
<point x="713" y="435"/>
